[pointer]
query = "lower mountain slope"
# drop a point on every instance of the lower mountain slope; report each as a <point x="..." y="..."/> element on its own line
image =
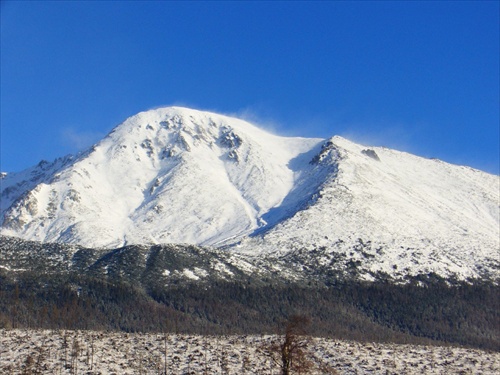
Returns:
<point x="190" y="289"/>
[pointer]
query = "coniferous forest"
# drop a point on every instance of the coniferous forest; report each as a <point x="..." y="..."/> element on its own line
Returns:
<point x="466" y="315"/>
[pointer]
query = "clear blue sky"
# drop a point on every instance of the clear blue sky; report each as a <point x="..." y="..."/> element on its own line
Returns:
<point x="417" y="76"/>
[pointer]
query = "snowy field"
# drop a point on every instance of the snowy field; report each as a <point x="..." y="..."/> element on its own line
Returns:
<point x="87" y="352"/>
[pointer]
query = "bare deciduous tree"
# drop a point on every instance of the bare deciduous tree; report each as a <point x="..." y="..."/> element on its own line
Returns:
<point x="290" y="351"/>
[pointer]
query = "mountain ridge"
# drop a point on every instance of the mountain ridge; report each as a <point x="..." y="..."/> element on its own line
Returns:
<point x="176" y="175"/>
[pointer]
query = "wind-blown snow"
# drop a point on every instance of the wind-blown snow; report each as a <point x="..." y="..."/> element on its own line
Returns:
<point x="176" y="175"/>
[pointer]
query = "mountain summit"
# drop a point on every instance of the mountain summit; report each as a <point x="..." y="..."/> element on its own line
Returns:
<point x="163" y="176"/>
<point x="176" y="175"/>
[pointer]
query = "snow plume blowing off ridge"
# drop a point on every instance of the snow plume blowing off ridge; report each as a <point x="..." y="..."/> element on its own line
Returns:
<point x="176" y="175"/>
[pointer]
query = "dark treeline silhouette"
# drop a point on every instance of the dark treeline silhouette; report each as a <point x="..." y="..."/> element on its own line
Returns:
<point x="462" y="314"/>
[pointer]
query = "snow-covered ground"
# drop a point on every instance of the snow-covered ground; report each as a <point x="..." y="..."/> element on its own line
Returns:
<point x="88" y="352"/>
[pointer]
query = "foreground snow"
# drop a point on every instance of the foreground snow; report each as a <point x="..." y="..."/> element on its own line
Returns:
<point x="89" y="352"/>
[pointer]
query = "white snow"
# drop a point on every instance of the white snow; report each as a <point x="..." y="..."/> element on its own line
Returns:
<point x="90" y="352"/>
<point x="190" y="274"/>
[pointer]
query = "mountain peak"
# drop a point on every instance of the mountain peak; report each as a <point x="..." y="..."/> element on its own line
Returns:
<point x="164" y="175"/>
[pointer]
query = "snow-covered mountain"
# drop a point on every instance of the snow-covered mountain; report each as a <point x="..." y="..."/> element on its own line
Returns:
<point x="176" y="175"/>
<point x="163" y="176"/>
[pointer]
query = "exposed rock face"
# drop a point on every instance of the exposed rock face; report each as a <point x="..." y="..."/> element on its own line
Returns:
<point x="370" y="153"/>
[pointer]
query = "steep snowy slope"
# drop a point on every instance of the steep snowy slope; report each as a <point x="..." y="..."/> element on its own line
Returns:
<point x="166" y="175"/>
<point x="384" y="211"/>
<point x="13" y="185"/>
